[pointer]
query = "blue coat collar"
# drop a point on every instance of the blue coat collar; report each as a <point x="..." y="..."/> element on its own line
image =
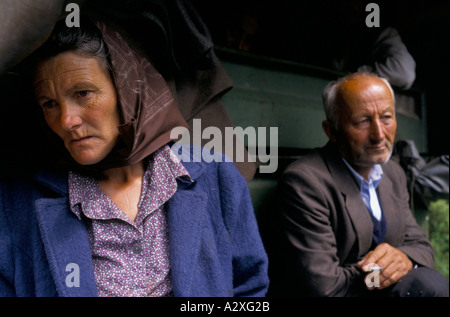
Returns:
<point x="56" y="180"/>
<point x="66" y="239"/>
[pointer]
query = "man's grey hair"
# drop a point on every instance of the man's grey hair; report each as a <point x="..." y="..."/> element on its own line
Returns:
<point x="330" y="103"/>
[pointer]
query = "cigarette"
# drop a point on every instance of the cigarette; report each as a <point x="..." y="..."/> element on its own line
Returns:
<point x="376" y="268"/>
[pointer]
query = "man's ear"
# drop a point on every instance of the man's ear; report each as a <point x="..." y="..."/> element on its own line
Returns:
<point x="330" y="131"/>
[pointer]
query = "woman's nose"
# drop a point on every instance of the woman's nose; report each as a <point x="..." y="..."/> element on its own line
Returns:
<point x="70" y="118"/>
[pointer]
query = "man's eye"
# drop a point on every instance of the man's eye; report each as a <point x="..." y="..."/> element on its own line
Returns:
<point x="363" y="121"/>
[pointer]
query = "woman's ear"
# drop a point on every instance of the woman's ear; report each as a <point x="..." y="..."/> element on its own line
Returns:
<point x="330" y="131"/>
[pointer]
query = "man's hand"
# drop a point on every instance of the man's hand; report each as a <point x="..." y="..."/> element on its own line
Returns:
<point x="394" y="263"/>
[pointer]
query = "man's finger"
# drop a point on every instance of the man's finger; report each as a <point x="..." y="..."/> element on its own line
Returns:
<point x="373" y="257"/>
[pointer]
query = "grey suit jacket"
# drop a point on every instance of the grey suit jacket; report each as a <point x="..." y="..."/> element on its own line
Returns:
<point x="326" y="227"/>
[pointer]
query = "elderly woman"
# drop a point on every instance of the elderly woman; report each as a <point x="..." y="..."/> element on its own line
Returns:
<point x="122" y="215"/>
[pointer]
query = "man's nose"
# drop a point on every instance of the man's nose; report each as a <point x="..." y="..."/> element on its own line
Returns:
<point x="377" y="133"/>
<point x="70" y="118"/>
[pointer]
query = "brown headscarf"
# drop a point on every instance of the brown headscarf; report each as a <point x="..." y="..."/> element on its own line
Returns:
<point x="147" y="108"/>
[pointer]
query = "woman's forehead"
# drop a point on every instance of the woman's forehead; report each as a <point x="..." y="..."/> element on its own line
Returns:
<point x="67" y="67"/>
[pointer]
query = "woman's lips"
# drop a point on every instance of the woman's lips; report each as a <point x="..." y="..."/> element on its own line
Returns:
<point x="80" y="141"/>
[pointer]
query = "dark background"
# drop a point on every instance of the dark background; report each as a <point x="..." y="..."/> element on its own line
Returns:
<point x="303" y="31"/>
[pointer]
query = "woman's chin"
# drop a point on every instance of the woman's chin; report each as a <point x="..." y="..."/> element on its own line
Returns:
<point x="86" y="160"/>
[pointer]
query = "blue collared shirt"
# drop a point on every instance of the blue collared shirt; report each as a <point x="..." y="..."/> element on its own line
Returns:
<point x="368" y="188"/>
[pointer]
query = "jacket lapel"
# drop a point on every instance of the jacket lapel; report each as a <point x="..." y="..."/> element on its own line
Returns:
<point x="390" y="209"/>
<point x="360" y="218"/>
<point x="66" y="243"/>
<point x="356" y="209"/>
<point x="185" y="215"/>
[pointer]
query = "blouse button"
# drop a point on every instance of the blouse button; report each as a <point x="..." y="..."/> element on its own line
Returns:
<point x="137" y="248"/>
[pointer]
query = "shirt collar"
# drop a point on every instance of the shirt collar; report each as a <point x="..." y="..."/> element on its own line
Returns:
<point x="84" y="190"/>
<point x="375" y="175"/>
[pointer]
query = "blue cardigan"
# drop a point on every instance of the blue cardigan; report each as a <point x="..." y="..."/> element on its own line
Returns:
<point x="215" y="247"/>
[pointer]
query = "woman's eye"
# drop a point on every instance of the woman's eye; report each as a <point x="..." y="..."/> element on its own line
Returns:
<point x="83" y="93"/>
<point x="48" y="104"/>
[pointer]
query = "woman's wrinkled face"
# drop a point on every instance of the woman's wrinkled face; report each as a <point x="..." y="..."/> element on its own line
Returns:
<point x="79" y="102"/>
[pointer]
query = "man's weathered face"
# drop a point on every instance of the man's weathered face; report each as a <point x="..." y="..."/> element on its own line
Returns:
<point x="367" y="122"/>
